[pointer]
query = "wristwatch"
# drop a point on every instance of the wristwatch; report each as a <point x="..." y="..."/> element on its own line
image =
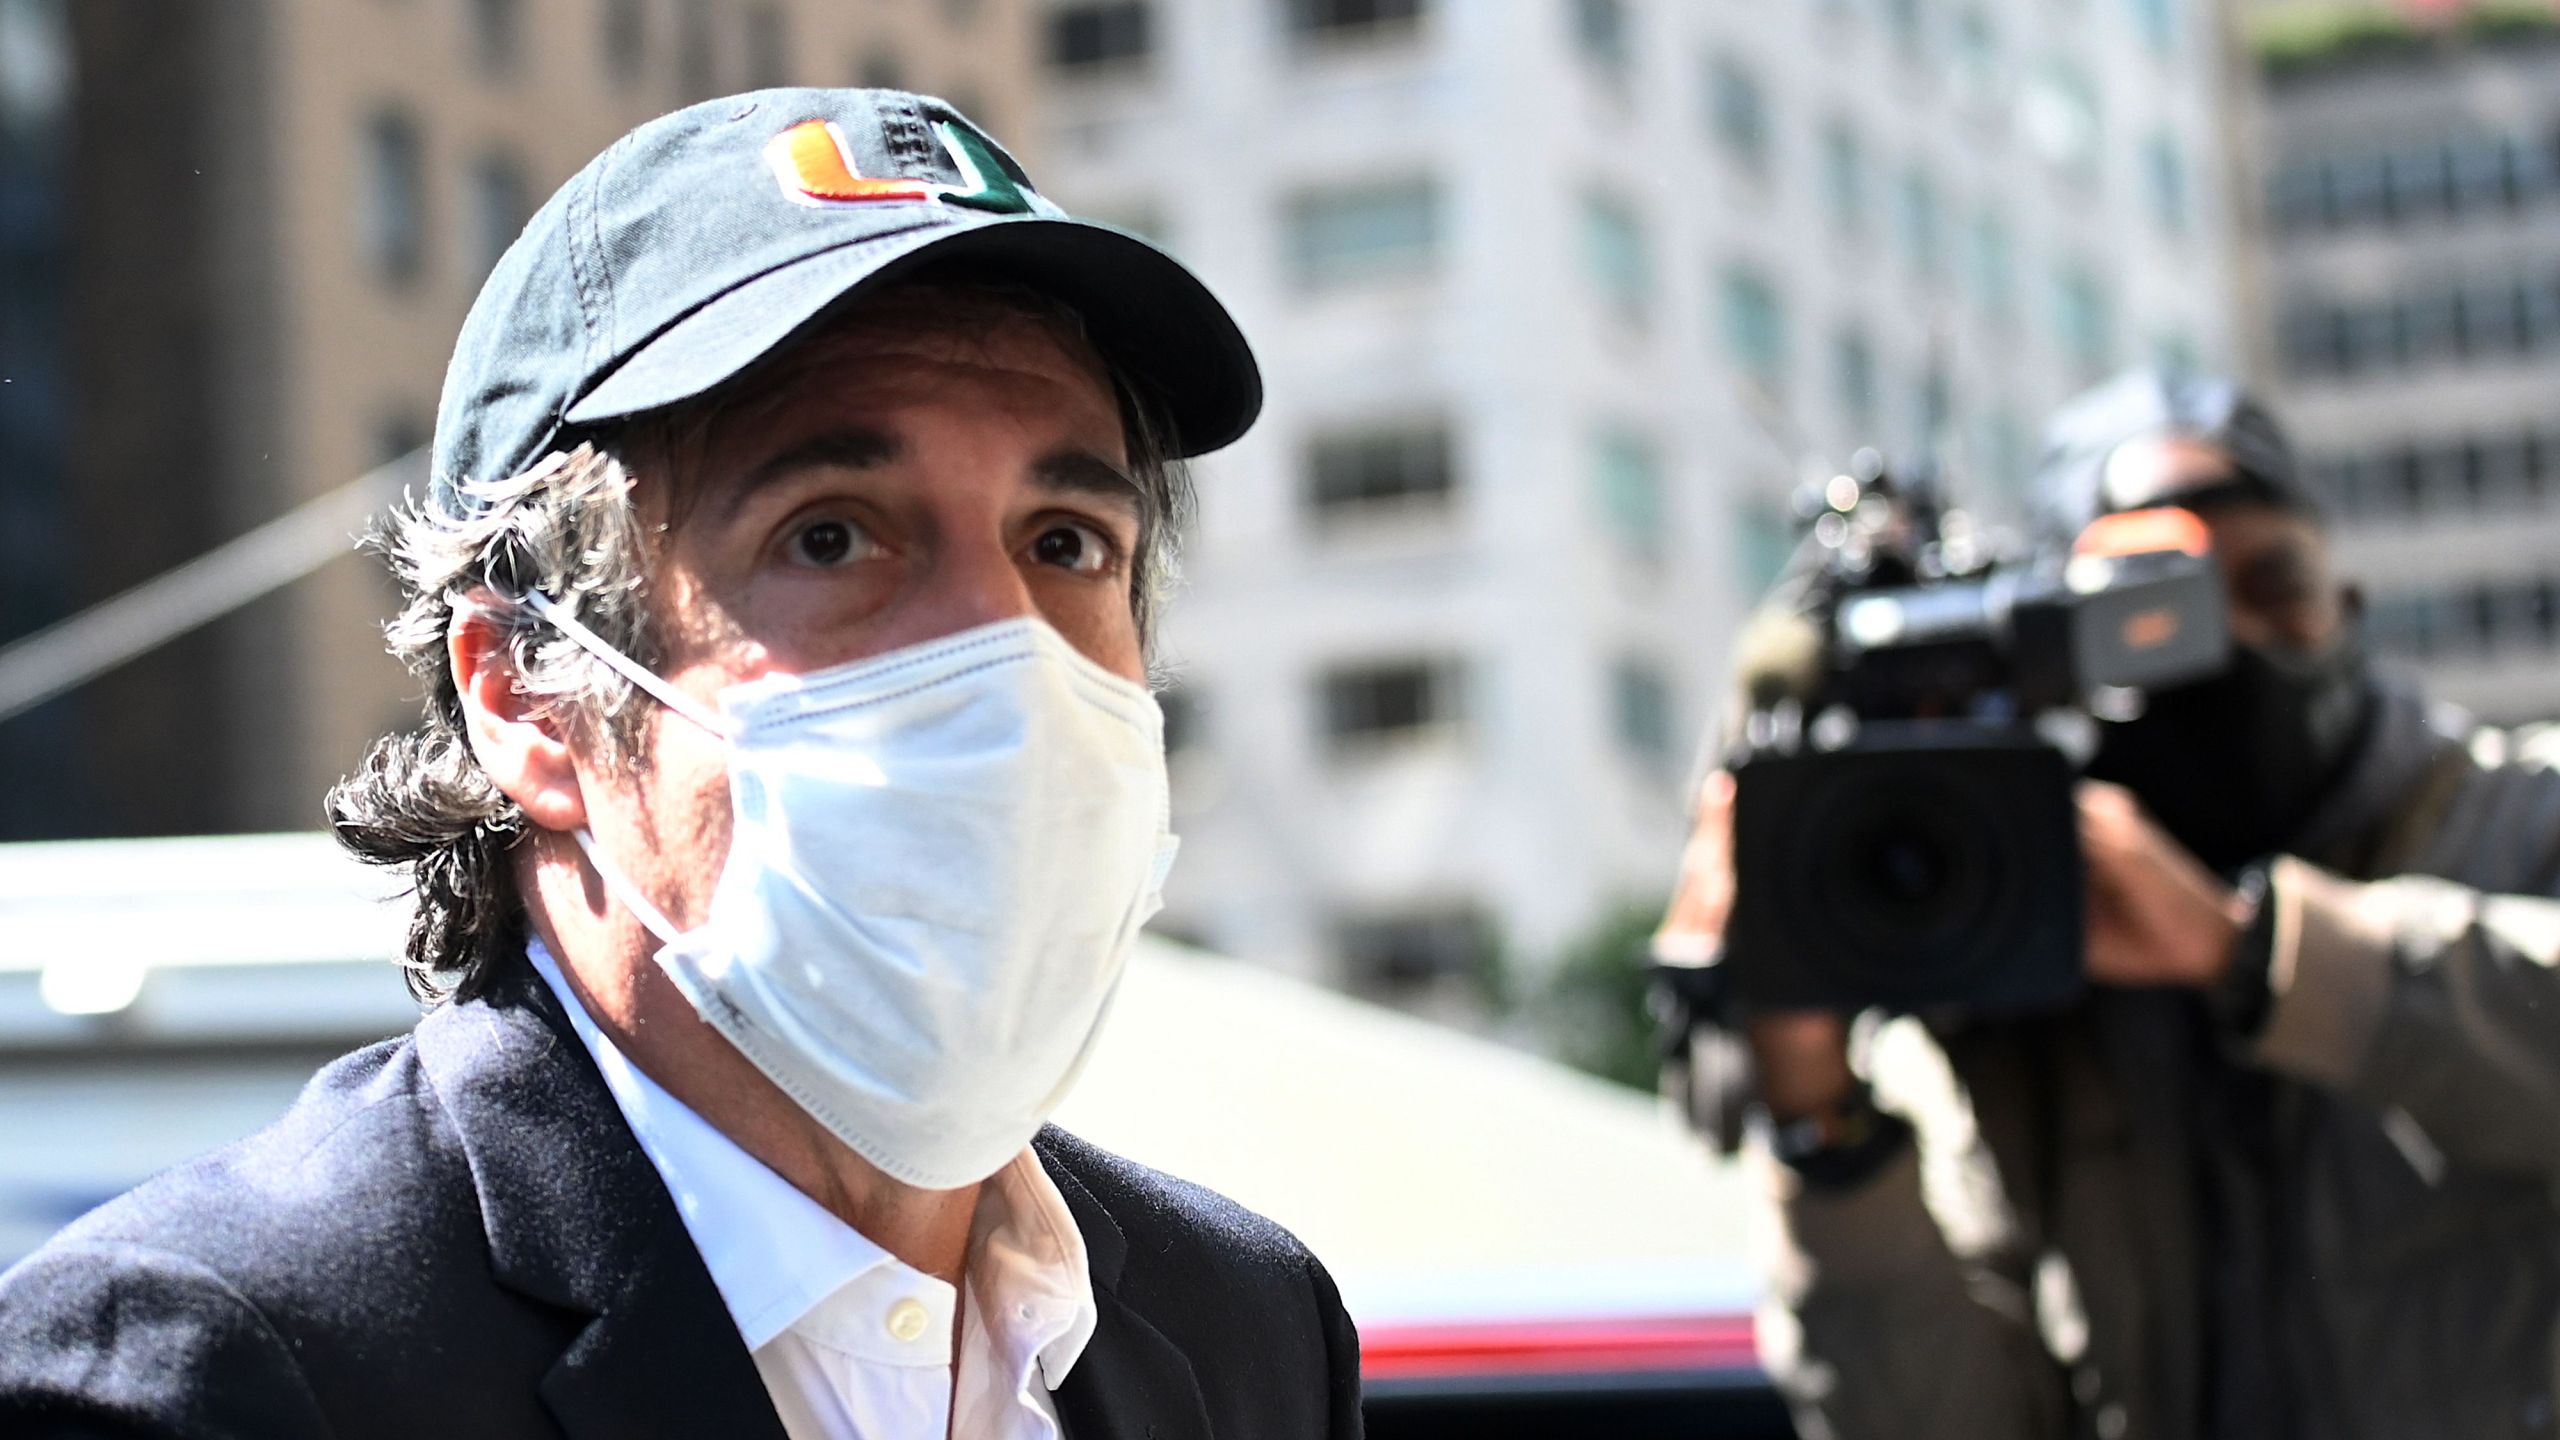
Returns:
<point x="1841" y="1144"/>
<point x="2241" y="999"/>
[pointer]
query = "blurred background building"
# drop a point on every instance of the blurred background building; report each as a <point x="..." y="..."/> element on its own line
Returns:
<point x="236" y="240"/>
<point x="1557" y="301"/>
<point x="2411" y="171"/>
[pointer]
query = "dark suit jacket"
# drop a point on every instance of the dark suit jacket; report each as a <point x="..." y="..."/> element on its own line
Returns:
<point x="454" y="1234"/>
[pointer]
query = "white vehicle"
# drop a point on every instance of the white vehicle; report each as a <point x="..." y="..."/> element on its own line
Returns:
<point x="1527" y="1250"/>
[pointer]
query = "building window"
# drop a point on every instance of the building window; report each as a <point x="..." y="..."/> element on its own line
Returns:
<point x="2158" y="22"/>
<point x="1090" y="38"/>
<point x="1642" y="714"/>
<point x="1396" y="954"/>
<point x="1916" y="217"/>
<point x="1628" y="476"/>
<point x="1139" y="215"/>
<point x="768" y="45"/>
<point x="1181" y="707"/>
<point x="393" y="221"/>
<point x="1933" y="410"/>
<point x="2352" y="189"/>
<point x="2486" y="475"/>
<point x="1352" y="19"/>
<point x="1373" y="473"/>
<point x="1977" y="69"/>
<point x="697" y="50"/>
<point x="1738" y="111"/>
<point x="1764" y="542"/>
<point x="1755" y="327"/>
<point x="2083" y="323"/>
<point x="2004" y="460"/>
<point x="1990" y="266"/>
<point x="1904" y="21"/>
<point x="1340" y="238"/>
<point x="497" y="36"/>
<point x="1614" y="254"/>
<point x="626" y="39"/>
<point x="2165" y="170"/>
<point x="1853" y="368"/>
<point x="399" y="435"/>
<point x="1373" y="704"/>
<point x="499" y="208"/>
<point x="1844" y="176"/>
<point x="2293" y="196"/>
<point x="1601" y="30"/>
<point x="2492" y="322"/>
<point x="880" y="70"/>
<point x="2175" y="353"/>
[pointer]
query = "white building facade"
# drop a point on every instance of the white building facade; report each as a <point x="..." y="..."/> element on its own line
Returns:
<point x="2413" y="272"/>
<point x="1556" y="299"/>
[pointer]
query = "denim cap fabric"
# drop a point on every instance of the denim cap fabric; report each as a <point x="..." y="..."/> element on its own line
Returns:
<point x="682" y="255"/>
<point x="2072" y="486"/>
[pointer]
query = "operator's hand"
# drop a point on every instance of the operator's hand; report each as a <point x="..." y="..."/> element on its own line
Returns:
<point x="1801" y="1057"/>
<point x="1693" y="927"/>
<point x="2156" y="915"/>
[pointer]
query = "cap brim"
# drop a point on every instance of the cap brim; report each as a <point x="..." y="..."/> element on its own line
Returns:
<point x="1149" y="316"/>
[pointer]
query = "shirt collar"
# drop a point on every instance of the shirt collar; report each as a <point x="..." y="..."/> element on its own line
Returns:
<point x="775" y="1255"/>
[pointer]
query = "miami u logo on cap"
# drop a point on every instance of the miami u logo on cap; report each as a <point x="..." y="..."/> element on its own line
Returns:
<point x="815" y="167"/>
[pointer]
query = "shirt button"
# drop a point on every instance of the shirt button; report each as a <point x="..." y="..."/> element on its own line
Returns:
<point x="907" y="1319"/>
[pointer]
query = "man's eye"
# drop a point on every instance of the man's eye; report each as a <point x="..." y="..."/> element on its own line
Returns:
<point x="1080" y="548"/>
<point x="829" y="543"/>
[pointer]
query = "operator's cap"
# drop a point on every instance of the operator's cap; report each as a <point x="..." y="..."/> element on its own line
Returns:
<point x="2075" y="483"/>
<point x="707" y="239"/>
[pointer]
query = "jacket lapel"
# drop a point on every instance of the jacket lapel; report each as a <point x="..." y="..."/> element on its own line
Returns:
<point x="577" y="1218"/>
<point x="1131" y="1383"/>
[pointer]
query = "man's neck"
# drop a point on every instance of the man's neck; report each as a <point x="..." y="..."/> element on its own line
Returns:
<point x="606" y="960"/>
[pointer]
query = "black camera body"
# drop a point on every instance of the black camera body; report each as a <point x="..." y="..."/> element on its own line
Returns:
<point x="1905" y="831"/>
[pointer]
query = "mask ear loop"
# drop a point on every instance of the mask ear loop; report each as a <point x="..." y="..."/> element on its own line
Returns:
<point x="616" y="883"/>
<point x="651" y="918"/>
<point x="623" y="665"/>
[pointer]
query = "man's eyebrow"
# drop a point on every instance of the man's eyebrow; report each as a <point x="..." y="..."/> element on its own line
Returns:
<point x="1081" y="472"/>
<point x="850" y="449"/>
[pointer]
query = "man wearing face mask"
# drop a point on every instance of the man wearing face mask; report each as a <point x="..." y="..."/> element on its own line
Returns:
<point x="2288" y="1169"/>
<point x="788" y="798"/>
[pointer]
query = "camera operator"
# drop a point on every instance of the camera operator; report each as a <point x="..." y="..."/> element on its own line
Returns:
<point x="2287" y="1168"/>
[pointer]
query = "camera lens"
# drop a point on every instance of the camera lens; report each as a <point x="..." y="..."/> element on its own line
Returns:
<point x="1926" y="866"/>
<point x="1912" y="874"/>
<point x="1903" y="867"/>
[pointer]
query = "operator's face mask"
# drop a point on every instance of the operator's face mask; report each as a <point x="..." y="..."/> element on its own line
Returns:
<point x="2232" y="766"/>
<point x="938" y="860"/>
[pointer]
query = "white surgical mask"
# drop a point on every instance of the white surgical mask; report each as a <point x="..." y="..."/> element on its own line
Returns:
<point x="938" y="860"/>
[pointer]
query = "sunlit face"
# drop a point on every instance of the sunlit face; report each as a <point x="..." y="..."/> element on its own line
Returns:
<point x="2283" y="592"/>
<point x="930" y="466"/>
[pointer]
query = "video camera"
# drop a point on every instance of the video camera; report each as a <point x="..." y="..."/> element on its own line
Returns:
<point x="1905" y="835"/>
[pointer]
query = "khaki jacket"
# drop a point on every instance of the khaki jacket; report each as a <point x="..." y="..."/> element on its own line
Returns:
<point x="2125" y="1223"/>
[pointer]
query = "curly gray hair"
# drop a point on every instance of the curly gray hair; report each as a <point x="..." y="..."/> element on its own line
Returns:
<point x="569" y="527"/>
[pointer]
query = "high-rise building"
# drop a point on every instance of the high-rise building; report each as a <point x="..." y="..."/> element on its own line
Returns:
<point x="1555" y="299"/>
<point x="2410" y="173"/>
<point x="236" y="240"/>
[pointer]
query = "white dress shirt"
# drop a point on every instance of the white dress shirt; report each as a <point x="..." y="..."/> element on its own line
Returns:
<point x="854" y="1344"/>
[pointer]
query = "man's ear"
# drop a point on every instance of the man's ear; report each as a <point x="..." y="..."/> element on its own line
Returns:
<point x="520" y="749"/>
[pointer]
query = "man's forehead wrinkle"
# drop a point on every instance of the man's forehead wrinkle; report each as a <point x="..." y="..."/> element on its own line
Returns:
<point x="849" y="447"/>
<point x="1081" y="472"/>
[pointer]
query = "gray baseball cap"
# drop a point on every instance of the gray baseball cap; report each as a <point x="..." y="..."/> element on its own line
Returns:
<point x="707" y="239"/>
<point x="2074" y="483"/>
